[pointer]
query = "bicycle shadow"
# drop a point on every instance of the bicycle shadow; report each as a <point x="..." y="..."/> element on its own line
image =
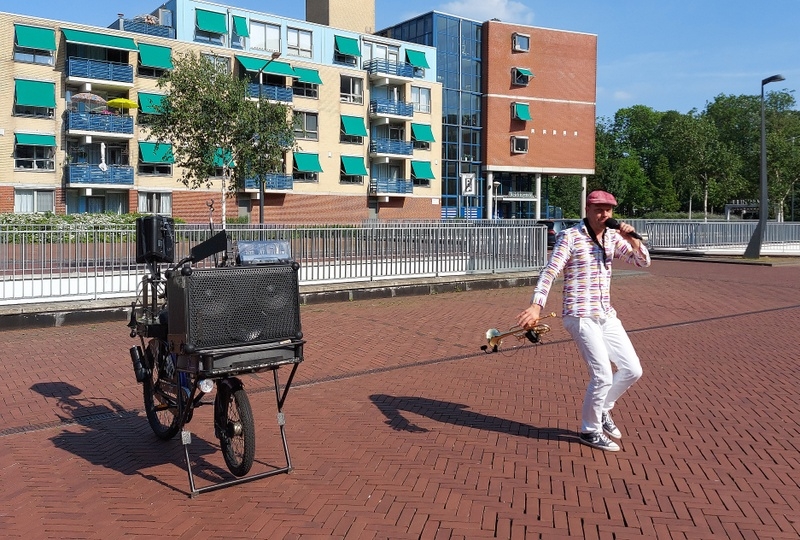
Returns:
<point x="120" y="439"/>
<point x="458" y="414"/>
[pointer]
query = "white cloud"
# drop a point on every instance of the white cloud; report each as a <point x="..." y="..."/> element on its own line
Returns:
<point x="482" y="10"/>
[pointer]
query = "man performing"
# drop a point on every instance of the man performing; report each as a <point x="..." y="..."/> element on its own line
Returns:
<point x="585" y="252"/>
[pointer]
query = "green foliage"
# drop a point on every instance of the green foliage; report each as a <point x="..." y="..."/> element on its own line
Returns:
<point x="212" y="124"/>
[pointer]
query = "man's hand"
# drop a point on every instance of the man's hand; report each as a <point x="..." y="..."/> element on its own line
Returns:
<point x="625" y="230"/>
<point x="529" y="317"/>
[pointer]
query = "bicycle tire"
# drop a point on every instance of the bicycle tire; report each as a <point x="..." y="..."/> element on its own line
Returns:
<point x="160" y="393"/>
<point x="235" y="429"/>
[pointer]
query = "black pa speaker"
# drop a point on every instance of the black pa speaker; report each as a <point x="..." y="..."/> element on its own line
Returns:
<point x="155" y="239"/>
<point x="231" y="306"/>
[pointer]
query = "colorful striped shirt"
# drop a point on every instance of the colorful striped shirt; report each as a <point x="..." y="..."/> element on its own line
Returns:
<point x="587" y="270"/>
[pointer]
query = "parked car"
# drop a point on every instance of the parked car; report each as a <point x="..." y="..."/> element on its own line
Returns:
<point x="555" y="226"/>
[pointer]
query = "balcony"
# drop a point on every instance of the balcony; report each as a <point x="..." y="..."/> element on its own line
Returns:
<point x="150" y="29"/>
<point x="108" y="125"/>
<point x="384" y="68"/>
<point x="270" y="92"/>
<point x="84" y="69"/>
<point x="390" y="108"/>
<point x="272" y="181"/>
<point x="391" y="147"/>
<point x="85" y="175"/>
<point x="390" y="186"/>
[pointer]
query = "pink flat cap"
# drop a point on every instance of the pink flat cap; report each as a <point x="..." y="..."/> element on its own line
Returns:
<point x="601" y="197"/>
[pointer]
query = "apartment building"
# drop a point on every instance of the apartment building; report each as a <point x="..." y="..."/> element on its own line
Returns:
<point x="518" y="111"/>
<point x="76" y="98"/>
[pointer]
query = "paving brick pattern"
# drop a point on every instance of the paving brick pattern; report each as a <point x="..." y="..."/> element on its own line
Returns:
<point x="400" y="427"/>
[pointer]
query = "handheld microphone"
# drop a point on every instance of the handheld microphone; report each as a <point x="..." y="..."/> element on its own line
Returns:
<point x="612" y="223"/>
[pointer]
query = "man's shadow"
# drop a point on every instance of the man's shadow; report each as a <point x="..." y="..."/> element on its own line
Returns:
<point x="458" y="414"/>
<point x="120" y="439"/>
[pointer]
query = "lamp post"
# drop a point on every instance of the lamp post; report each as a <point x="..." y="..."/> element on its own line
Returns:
<point x="261" y="187"/>
<point x="753" y="250"/>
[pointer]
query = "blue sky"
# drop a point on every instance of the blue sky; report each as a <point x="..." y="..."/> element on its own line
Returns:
<point x="668" y="55"/>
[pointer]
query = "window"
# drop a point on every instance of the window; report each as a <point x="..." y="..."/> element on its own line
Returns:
<point x="353" y="130"/>
<point x="306" y="125"/>
<point x="298" y="42"/>
<point x="353" y="170"/>
<point x="421" y="98"/>
<point x="346" y="50"/>
<point x="521" y="111"/>
<point x="154" y="60"/>
<point x="352" y="89"/>
<point x="37" y="158"/>
<point x="240" y="31"/>
<point x="30" y="201"/>
<point x="222" y="63"/>
<point x="422" y="136"/>
<point x="34" y="98"/>
<point x="306" y="167"/>
<point x="211" y="27"/>
<point x="521" y="42"/>
<point x="519" y="145"/>
<point x="155" y="203"/>
<point x="265" y="37"/>
<point x="306" y="83"/>
<point x="421" y="173"/>
<point x="33" y="44"/>
<point x="521" y="76"/>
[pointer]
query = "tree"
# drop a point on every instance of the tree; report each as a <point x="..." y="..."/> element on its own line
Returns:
<point x="783" y="148"/>
<point x="212" y="124"/>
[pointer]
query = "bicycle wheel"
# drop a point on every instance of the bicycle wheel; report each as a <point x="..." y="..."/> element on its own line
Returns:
<point x="160" y="392"/>
<point x="234" y="428"/>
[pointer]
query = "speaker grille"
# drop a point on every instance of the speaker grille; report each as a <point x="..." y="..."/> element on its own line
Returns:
<point x="240" y="305"/>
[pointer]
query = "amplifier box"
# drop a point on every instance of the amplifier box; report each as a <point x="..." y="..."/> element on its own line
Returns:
<point x="155" y="239"/>
<point x="230" y="306"/>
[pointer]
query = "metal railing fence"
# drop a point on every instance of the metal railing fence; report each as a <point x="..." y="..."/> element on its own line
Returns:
<point x="52" y="263"/>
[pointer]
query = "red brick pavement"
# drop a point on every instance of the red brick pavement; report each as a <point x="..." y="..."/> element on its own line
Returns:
<point x="399" y="427"/>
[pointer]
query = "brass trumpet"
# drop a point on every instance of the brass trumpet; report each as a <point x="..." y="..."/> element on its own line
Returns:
<point x="533" y="334"/>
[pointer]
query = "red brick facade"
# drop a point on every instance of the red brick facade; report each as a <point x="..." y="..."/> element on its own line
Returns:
<point x="560" y="96"/>
<point x="6" y="199"/>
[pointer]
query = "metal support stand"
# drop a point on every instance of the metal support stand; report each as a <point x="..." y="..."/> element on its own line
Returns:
<point x="280" y="398"/>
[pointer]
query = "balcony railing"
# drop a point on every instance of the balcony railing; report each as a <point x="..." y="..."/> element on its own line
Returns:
<point x="391" y="146"/>
<point x="103" y="123"/>
<point x="382" y="106"/>
<point x="140" y="27"/>
<point x="114" y="175"/>
<point x="398" y="69"/>
<point x="271" y="181"/>
<point x="390" y="186"/>
<point x="270" y="92"/>
<point x="99" y="69"/>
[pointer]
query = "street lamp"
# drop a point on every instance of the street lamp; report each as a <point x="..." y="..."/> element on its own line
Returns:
<point x="753" y="250"/>
<point x="262" y="188"/>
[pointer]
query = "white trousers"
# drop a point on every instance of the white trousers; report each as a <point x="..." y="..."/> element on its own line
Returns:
<point x="601" y="342"/>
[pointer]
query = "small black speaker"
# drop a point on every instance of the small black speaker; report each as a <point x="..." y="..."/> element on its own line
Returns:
<point x="231" y="306"/>
<point x="155" y="239"/>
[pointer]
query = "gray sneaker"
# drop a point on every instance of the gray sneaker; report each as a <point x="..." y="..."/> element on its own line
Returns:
<point x="599" y="440"/>
<point x="610" y="427"/>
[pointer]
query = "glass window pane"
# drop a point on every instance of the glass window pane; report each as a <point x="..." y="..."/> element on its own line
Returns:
<point x="23" y="201"/>
<point x="45" y="201"/>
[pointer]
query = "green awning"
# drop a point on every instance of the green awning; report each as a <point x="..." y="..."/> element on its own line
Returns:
<point x="422" y="170"/>
<point x="310" y="76"/>
<point x="417" y="58"/>
<point x="346" y="45"/>
<point x="33" y="37"/>
<point x="307" y="162"/>
<point x="99" y="40"/>
<point x="354" y="125"/>
<point x="155" y="57"/>
<point x="211" y="21"/>
<point x="522" y="112"/>
<point x="422" y="132"/>
<point x="35" y="139"/>
<point x="154" y="152"/>
<point x="255" y="64"/>
<point x="149" y="103"/>
<point x="35" y="93"/>
<point x="240" y="26"/>
<point x="524" y="71"/>
<point x="354" y="166"/>
<point x="221" y="158"/>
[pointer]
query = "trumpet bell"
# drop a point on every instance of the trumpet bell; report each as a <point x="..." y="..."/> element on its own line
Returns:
<point x="494" y="337"/>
